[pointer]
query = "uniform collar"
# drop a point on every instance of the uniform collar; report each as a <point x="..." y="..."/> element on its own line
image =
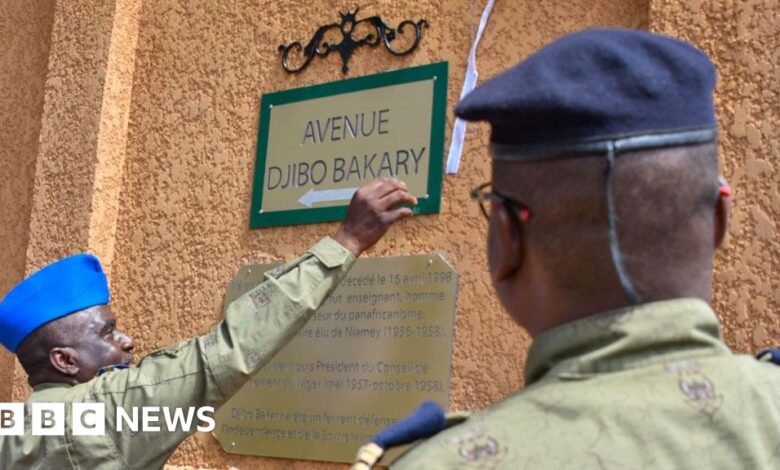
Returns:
<point x="626" y="338"/>
<point x="46" y="386"/>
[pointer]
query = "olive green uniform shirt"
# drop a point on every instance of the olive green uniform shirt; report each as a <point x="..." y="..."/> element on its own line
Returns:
<point x="202" y="371"/>
<point x="648" y="387"/>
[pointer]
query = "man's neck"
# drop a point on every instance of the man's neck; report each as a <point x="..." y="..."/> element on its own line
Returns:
<point x="566" y="310"/>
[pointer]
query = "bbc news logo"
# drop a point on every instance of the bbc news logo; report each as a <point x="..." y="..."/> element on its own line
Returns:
<point x="89" y="419"/>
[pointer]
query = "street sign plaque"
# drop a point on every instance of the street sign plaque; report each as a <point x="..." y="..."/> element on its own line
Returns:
<point x="318" y="144"/>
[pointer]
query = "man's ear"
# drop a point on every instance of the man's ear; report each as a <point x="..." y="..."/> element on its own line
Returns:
<point x="65" y="360"/>
<point x="722" y="212"/>
<point x="509" y="248"/>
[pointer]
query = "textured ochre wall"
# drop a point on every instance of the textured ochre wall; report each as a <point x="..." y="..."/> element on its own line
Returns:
<point x="25" y="29"/>
<point x="148" y="133"/>
<point x="182" y="230"/>
<point x="83" y="127"/>
<point x="743" y="38"/>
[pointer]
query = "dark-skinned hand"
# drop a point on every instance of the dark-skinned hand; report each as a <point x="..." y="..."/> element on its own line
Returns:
<point x="373" y="209"/>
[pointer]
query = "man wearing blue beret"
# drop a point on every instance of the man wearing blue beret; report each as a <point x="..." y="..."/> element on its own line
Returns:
<point x="59" y="324"/>
<point x="604" y="213"/>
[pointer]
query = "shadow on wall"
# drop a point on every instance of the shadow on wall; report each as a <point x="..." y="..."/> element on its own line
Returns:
<point x="25" y="36"/>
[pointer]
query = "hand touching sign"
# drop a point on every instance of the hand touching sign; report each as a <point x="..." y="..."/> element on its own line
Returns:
<point x="374" y="208"/>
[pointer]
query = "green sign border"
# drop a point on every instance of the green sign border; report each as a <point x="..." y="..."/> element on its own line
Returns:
<point x="437" y="72"/>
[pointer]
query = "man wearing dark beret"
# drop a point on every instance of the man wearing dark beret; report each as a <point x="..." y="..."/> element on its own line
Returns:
<point x="604" y="213"/>
<point x="59" y="324"/>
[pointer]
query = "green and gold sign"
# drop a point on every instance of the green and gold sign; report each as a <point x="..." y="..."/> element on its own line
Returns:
<point x="378" y="347"/>
<point x="318" y="144"/>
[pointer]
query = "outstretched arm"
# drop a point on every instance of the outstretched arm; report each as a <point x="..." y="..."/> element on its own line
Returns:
<point x="209" y="369"/>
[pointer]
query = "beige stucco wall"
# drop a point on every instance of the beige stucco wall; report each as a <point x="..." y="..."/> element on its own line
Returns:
<point x="743" y="38"/>
<point x="148" y="136"/>
<point x="25" y="30"/>
<point x="83" y="127"/>
<point x="182" y="232"/>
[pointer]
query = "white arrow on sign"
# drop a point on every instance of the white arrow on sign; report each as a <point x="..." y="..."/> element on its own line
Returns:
<point x="326" y="195"/>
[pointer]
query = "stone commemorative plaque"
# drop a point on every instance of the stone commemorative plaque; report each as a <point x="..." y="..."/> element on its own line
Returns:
<point x="318" y="144"/>
<point x="379" y="346"/>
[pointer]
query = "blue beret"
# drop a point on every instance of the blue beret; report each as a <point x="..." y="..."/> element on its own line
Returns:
<point x="59" y="289"/>
<point x="597" y="85"/>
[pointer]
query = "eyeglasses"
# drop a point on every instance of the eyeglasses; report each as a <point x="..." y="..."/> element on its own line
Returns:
<point x="482" y="194"/>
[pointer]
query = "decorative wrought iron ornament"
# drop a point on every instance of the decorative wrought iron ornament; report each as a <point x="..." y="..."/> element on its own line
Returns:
<point x="379" y="31"/>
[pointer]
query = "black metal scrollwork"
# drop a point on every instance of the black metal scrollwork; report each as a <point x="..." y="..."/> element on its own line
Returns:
<point x="349" y="24"/>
